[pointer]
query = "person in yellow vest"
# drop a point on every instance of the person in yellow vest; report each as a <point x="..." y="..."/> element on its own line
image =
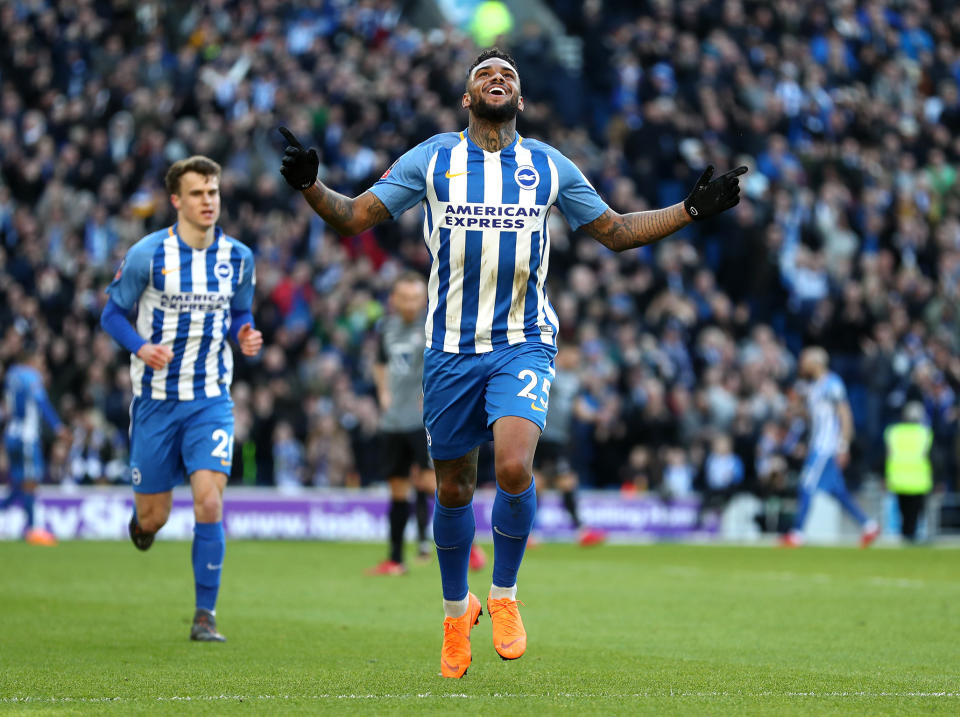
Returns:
<point x="491" y="20"/>
<point x="909" y="475"/>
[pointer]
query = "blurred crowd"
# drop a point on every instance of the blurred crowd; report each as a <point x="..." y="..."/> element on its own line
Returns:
<point x="847" y="236"/>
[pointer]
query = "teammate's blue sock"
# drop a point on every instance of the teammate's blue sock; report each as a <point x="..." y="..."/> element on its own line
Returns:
<point x="803" y="505"/>
<point x="209" y="547"/>
<point x="512" y="520"/>
<point x="15" y="494"/>
<point x="846" y="500"/>
<point x="27" y="500"/>
<point x="453" y="532"/>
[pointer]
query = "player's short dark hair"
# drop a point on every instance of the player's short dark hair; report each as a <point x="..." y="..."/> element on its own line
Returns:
<point x="410" y="277"/>
<point x="197" y="163"/>
<point x="493" y="52"/>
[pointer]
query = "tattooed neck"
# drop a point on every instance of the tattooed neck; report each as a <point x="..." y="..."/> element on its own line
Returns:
<point x="491" y="137"/>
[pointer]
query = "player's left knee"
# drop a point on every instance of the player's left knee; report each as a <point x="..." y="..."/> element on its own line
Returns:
<point x="208" y="508"/>
<point x="514" y="474"/>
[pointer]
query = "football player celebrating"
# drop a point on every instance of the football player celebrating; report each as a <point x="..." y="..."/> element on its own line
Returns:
<point x="490" y="329"/>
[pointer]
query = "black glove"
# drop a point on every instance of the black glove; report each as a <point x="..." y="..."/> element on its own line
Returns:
<point x="299" y="165"/>
<point x="709" y="198"/>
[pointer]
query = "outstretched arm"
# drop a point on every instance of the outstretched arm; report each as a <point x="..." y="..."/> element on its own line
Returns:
<point x="619" y="232"/>
<point x="347" y="216"/>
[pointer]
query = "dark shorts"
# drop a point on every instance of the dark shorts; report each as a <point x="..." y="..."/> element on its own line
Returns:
<point x="552" y="458"/>
<point x="402" y="451"/>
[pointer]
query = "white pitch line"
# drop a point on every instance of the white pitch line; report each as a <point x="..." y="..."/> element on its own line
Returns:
<point x="821" y="578"/>
<point x="429" y="695"/>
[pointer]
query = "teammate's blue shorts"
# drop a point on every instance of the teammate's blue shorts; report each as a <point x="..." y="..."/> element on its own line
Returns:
<point x="463" y="394"/>
<point x="26" y="460"/>
<point x="821" y="472"/>
<point x="169" y="440"/>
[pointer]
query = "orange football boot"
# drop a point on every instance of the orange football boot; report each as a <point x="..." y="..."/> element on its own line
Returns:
<point x="39" y="536"/>
<point x="455" y="654"/>
<point x="509" y="637"/>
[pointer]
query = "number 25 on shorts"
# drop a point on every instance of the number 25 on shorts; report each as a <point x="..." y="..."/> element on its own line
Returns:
<point x="526" y="392"/>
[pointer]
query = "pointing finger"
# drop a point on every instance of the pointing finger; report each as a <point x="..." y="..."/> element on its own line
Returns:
<point x="736" y="172"/>
<point x="291" y="139"/>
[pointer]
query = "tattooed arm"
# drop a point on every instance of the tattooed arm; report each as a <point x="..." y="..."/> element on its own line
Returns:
<point x="620" y="232"/>
<point x="347" y="216"/>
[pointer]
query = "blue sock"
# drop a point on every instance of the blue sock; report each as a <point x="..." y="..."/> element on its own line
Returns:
<point x="803" y="505"/>
<point x="27" y="500"/>
<point x="512" y="520"/>
<point x="453" y="532"/>
<point x="209" y="546"/>
<point x="846" y="500"/>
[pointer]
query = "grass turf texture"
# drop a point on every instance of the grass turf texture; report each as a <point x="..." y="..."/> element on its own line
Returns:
<point x="98" y="628"/>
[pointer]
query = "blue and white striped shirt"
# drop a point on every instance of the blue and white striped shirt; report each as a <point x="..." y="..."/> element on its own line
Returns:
<point x="185" y="299"/>
<point x="26" y="403"/>
<point x="824" y="396"/>
<point x="485" y="225"/>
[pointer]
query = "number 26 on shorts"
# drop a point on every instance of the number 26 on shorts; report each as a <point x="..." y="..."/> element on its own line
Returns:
<point x="224" y="448"/>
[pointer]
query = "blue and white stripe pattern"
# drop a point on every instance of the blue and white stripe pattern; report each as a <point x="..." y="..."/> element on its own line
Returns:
<point x="485" y="226"/>
<point x="824" y="396"/>
<point x="23" y="396"/>
<point x="185" y="298"/>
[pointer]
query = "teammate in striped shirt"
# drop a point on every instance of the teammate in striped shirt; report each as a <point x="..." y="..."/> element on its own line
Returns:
<point x="25" y="406"/>
<point x="830" y="423"/>
<point x="192" y="287"/>
<point x="490" y="329"/>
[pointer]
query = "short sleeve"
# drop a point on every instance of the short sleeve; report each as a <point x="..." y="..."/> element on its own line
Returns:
<point x="405" y="183"/>
<point x="132" y="277"/>
<point x="836" y="391"/>
<point x="577" y="198"/>
<point x="243" y="297"/>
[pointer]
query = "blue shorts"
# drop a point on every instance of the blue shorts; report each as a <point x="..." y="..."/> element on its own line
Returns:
<point x="26" y="460"/>
<point x="463" y="394"/>
<point x="821" y="472"/>
<point x="169" y="440"/>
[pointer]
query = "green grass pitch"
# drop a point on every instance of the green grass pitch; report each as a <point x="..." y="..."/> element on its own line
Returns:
<point x="98" y="628"/>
